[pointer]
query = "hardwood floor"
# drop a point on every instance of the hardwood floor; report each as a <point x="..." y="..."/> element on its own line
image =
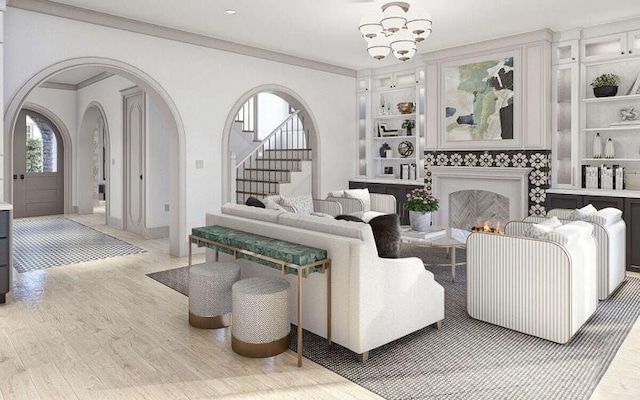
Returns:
<point x="103" y="329"/>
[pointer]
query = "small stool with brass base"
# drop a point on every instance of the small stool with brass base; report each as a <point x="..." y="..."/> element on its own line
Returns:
<point x="210" y="294"/>
<point x="261" y="326"/>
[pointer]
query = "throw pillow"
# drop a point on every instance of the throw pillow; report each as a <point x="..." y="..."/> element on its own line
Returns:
<point x="253" y="202"/>
<point x="584" y="212"/>
<point x="303" y="204"/>
<point x="386" y="232"/>
<point x="346" y="217"/>
<point x="337" y="193"/>
<point x="272" y="205"/>
<point x="360" y="194"/>
<point x="537" y="231"/>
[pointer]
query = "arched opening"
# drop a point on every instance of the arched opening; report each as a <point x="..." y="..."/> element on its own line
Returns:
<point x="177" y="179"/>
<point x="310" y="125"/>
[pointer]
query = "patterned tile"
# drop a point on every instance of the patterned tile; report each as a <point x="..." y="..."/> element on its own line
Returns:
<point x="47" y="242"/>
<point x="538" y="160"/>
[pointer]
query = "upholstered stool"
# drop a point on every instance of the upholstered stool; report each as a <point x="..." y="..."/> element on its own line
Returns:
<point x="210" y="294"/>
<point x="261" y="325"/>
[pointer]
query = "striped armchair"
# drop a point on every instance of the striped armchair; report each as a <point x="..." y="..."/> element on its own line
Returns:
<point x="542" y="287"/>
<point x="367" y="206"/>
<point x="319" y="206"/>
<point x="610" y="232"/>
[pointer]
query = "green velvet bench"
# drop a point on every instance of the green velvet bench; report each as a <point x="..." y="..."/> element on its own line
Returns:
<point x="288" y="257"/>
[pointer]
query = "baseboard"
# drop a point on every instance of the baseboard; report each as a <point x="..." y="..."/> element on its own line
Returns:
<point x="156" y="232"/>
<point x="115" y="222"/>
<point x="633" y="268"/>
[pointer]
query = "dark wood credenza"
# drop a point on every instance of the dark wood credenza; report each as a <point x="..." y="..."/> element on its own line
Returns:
<point x="630" y="207"/>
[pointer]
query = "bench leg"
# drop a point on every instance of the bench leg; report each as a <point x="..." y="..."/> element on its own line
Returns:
<point x="362" y="357"/>
<point x="437" y="325"/>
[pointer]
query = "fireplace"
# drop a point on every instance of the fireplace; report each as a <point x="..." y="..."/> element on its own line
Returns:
<point x="469" y="194"/>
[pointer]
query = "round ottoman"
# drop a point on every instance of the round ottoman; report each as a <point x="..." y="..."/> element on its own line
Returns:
<point x="210" y="294"/>
<point x="261" y="325"/>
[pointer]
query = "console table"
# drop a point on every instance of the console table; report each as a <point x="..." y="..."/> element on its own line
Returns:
<point x="290" y="258"/>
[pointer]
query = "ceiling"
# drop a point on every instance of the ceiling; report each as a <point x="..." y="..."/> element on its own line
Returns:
<point x="327" y="30"/>
<point x="76" y="76"/>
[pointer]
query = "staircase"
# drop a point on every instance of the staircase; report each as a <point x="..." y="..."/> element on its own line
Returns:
<point x="279" y="164"/>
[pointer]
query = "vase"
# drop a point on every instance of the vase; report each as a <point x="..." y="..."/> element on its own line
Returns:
<point x="420" y="221"/>
<point x="597" y="146"/>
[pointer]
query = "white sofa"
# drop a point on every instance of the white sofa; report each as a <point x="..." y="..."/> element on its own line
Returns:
<point x="374" y="300"/>
<point x="315" y="205"/>
<point x="365" y="205"/>
<point x="610" y="232"/>
<point x="542" y="287"/>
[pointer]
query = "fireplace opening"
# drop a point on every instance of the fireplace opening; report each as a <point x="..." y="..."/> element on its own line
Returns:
<point x="469" y="209"/>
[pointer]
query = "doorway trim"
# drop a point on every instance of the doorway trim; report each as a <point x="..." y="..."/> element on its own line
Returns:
<point x="295" y="100"/>
<point x="66" y="146"/>
<point x="178" y="228"/>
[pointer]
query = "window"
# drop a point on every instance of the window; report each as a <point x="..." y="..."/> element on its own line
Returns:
<point x="41" y="146"/>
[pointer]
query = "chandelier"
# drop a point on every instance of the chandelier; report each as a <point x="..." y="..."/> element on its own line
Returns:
<point x="397" y="28"/>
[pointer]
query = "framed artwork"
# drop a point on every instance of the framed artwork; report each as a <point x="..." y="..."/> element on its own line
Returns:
<point x="480" y="102"/>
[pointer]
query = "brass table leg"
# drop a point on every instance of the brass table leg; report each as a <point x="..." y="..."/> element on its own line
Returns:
<point x="453" y="264"/>
<point x="190" y="245"/>
<point x="300" y="317"/>
<point x="328" y="267"/>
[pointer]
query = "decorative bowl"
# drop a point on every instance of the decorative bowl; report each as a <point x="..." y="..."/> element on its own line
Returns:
<point x="406" y="108"/>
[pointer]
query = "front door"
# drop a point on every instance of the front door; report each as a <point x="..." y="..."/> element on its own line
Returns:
<point x="134" y="148"/>
<point x="38" y="176"/>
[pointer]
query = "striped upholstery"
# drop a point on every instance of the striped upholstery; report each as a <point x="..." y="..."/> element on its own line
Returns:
<point x="611" y="251"/>
<point x="533" y="286"/>
<point x="380" y="203"/>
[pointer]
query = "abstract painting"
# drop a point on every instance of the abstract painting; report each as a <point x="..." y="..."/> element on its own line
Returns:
<point x="478" y="100"/>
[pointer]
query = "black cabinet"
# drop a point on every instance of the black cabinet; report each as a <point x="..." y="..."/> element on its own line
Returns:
<point x="5" y="254"/>
<point x="630" y="212"/>
<point x="399" y="191"/>
<point x="631" y="215"/>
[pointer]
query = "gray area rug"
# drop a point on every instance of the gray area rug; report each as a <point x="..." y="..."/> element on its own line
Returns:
<point x="470" y="359"/>
<point x="47" y="242"/>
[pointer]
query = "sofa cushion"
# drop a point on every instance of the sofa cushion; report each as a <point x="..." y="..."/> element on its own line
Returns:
<point x="260" y="214"/>
<point x="360" y="194"/>
<point x="325" y="225"/>
<point x="322" y="215"/>
<point x="386" y="232"/>
<point x="570" y="232"/>
<point x="606" y="216"/>
<point x="584" y="212"/>
<point x="271" y="204"/>
<point x="253" y="202"/>
<point x="302" y="203"/>
<point x="541" y="228"/>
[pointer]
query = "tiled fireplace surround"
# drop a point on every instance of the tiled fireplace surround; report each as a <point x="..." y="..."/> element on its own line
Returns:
<point x="537" y="160"/>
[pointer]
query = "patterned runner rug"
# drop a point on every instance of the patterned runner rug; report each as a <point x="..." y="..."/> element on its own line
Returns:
<point x="471" y="359"/>
<point x="53" y="241"/>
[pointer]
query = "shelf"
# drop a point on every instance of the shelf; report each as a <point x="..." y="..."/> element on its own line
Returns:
<point x="613" y="128"/>
<point x="410" y="158"/>
<point x="612" y="98"/>
<point x="611" y="159"/>
<point x="395" y="116"/>
<point x="397" y="89"/>
<point x="394" y="137"/>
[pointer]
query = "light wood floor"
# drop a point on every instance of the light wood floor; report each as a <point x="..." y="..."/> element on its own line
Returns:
<point x="103" y="329"/>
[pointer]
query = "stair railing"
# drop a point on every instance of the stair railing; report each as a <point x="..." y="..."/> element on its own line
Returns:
<point x="270" y="155"/>
<point x="248" y="115"/>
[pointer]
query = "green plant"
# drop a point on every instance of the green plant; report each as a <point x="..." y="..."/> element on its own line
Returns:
<point x="421" y="200"/>
<point x="34" y="155"/>
<point x="606" y="80"/>
<point x="408" y="123"/>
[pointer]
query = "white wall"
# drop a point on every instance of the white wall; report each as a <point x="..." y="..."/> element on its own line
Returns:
<point x="272" y="110"/>
<point x="157" y="167"/>
<point x="202" y="83"/>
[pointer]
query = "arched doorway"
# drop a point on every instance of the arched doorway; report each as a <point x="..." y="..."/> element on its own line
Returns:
<point x="291" y="97"/>
<point x="177" y="180"/>
<point x="38" y="166"/>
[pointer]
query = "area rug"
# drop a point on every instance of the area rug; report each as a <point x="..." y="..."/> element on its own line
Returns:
<point x="47" y="242"/>
<point x="471" y="359"/>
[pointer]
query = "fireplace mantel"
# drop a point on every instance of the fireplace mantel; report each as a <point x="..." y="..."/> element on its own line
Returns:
<point x="509" y="182"/>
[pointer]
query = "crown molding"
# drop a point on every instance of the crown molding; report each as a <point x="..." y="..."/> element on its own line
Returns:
<point x="145" y="28"/>
<point x="94" y="79"/>
<point x="59" y="86"/>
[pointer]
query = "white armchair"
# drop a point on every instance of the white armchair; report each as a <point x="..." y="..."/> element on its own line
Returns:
<point x="610" y="232"/>
<point x="365" y="205"/>
<point x="542" y="287"/>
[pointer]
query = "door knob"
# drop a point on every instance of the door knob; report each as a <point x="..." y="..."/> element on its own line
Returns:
<point x="21" y="176"/>
<point x="140" y="176"/>
<point x="15" y="176"/>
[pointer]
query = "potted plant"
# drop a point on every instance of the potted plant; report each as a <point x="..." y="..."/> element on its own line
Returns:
<point x="408" y="124"/>
<point x="421" y="203"/>
<point x="605" y="85"/>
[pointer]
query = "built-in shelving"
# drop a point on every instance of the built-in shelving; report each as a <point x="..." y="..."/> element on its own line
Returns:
<point x="394" y="137"/>
<point x="611" y="98"/>
<point x="613" y="128"/>
<point x="393" y="158"/>
<point x="396" y="116"/>
<point x="610" y="159"/>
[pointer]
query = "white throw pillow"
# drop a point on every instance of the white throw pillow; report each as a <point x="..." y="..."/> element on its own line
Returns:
<point x="540" y="229"/>
<point x="271" y="205"/>
<point x="360" y="194"/>
<point x="584" y="212"/>
<point x="606" y="216"/>
<point x="303" y="203"/>
<point x="337" y="193"/>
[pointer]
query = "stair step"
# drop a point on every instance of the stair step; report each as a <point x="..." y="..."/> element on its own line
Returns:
<point x="262" y="180"/>
<point x="265" y="174"/>
<point x="278" y="159"/>
<point x="301" y="149"/>
<point x="266" y="169"/>
<point x="254" y="193"/>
